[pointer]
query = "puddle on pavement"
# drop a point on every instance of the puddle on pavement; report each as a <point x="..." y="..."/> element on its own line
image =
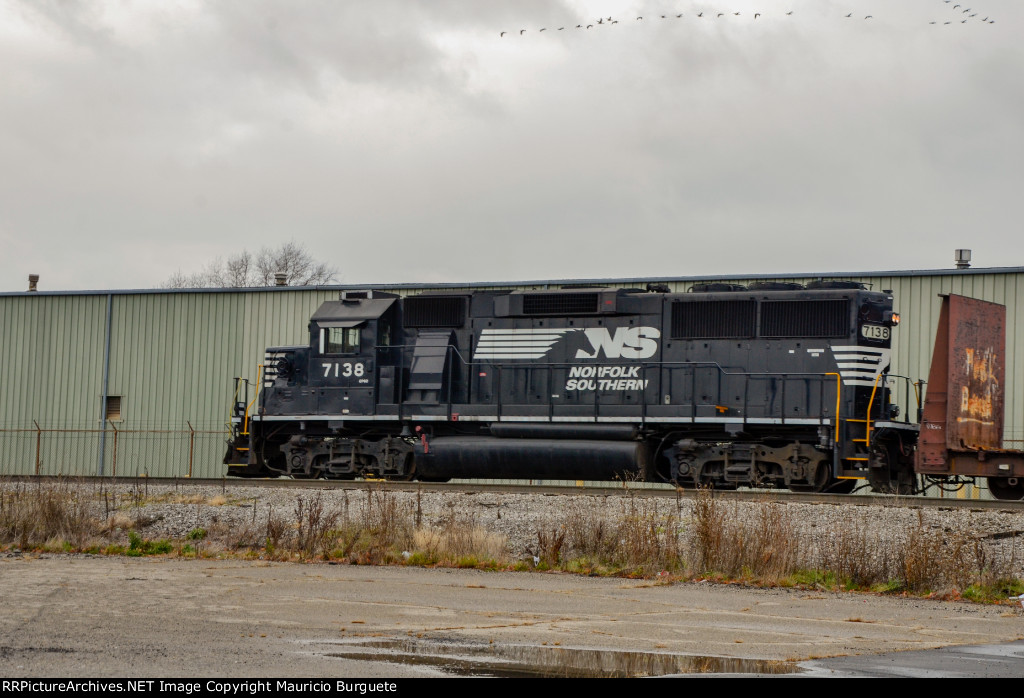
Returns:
<point x="466" y="659"/>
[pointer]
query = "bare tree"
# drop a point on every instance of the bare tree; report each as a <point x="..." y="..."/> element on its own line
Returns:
<point x="246" y="270"/>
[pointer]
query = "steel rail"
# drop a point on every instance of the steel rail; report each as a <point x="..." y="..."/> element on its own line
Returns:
<point x="632" y="489"/>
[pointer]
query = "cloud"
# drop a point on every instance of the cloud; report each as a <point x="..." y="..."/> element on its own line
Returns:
<point x="410" y="141"/>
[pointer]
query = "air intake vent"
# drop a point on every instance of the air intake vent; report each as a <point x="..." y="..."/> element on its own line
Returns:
<point x="775" y="286"/>
<point x="434" y="311"/>
<point x="717" y="288"/>
<point x="714" y="319"/>
<point x="805" y="318"/>
<point x="560" y="303"/>
<point x="820" y="283"/>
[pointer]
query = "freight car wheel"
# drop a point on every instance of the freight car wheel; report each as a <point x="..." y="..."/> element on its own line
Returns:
<point x="1006" y="488"/>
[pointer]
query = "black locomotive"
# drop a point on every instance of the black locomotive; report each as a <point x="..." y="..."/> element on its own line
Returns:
<point x="771" y="385"/>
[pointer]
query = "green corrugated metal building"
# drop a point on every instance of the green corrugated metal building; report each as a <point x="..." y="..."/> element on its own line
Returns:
<point x="140" y="382"/>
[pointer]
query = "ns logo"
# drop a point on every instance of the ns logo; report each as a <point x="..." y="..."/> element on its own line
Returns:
<point x="626" y="343"/>
<point x="533" y="343"/>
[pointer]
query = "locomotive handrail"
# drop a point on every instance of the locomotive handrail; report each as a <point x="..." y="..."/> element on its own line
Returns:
<point x="839" y="388"/>
<point x="665" y="370"/>
<point x="908" y="382"/>
<point x="498" y="370"/>
<point x="245" y="420"/>
<point x="871" y="402"/>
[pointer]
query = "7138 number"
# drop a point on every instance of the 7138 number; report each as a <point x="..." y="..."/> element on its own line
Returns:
<point x="344" y="370"/>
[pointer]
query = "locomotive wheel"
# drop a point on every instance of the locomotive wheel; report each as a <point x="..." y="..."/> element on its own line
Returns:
<point x="822" y="476"/>
<point x="315" y="475"/>
<point x="316" y="470"/>
<point x="885" y="474"/>
<point x="841" y="487"/>
<point x="408" y="470"/>
<point x="1004" y="488"/>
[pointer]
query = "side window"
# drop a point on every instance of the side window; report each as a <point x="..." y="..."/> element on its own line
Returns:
<point x="383" y="333"/>
<point x="339" y="340"/>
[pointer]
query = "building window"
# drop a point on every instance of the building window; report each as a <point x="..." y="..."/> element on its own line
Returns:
<point x="112" y="410"/>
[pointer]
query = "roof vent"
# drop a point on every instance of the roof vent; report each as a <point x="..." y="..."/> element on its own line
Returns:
<point x="33" y="279"/>
<point x="280" y="279"/>
<point x="962" y="259"/>
<point x="356" y="296"/>
<point x="717" y="288"/>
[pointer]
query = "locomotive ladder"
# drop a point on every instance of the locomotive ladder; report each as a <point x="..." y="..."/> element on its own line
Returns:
<point x="868" y="423"/>
<point x="246" y="405"/>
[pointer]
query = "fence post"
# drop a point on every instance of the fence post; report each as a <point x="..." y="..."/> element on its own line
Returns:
<point x="113" y="471"/>
<point x="39" y="443"/>
<point x="191" y="445"/>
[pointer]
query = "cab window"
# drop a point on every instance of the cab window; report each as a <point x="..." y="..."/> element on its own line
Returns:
<point x="339" y="340"/>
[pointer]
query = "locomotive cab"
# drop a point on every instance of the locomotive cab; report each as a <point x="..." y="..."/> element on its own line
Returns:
<point x="344" y="356"/>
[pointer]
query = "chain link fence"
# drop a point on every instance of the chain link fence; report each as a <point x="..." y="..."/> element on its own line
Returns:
<point x="113" y="451"/>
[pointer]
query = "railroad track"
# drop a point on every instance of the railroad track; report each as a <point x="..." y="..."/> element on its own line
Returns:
<point x="586" y="489"/>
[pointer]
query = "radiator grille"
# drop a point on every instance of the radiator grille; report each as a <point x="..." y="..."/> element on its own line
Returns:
<point x="714" y="319"/>
<point x="560" y="303"/>
<point x="805" y="318"/>
<point x="431" y="311"/>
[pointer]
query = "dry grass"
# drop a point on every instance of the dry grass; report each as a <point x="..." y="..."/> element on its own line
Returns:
<point x="640" y="538"/>
<point x="462" y="546"/>
<point x="722" y="542"/>
<point x="758" y="543"/>
<point x="55" y="514"/>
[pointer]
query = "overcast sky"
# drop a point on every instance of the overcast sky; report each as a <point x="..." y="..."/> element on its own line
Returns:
<point x="411" y="142"/>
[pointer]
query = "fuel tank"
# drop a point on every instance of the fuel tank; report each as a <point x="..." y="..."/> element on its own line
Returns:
<point x="549" y="459"/>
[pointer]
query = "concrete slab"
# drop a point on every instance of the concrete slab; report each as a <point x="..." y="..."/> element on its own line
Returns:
<point x="123" y="617"/>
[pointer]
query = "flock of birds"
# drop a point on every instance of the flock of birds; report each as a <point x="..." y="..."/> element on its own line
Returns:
<point x="608" y="21"/>
<point x="965" y="11"/>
